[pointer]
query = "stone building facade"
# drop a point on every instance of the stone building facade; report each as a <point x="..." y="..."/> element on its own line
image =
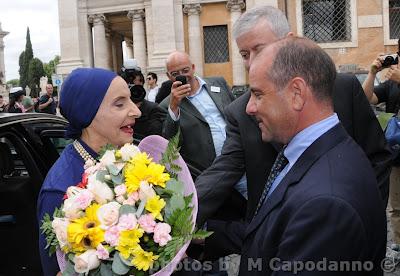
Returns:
<point x="2" y="66"/>
<point x="92" y="32"/>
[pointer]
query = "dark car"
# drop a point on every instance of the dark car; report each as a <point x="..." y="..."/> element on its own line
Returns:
<point x="29" y="145"/>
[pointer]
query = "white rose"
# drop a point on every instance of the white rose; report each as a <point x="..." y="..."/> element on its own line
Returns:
<point x="71" y="209"/>
<point x="108" y="158"/>
<point x="101" y="191"/>
<point x="60" y="226"/>
<point x="146" y="191"/>
<point x="108" y="214"/>
<point x="128" y="151"/>
<point x="86" y="261"/>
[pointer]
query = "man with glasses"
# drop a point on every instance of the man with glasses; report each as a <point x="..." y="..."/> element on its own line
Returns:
<point x="196" y="108"/>
<point x="152" y="85"/>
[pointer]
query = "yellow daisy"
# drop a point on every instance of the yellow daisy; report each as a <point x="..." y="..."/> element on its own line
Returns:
<point x="129" y="241"/>
<point x="157" y="175"/>
<point x="154" y="205"/>
<point x="85" y="232"/>
<point x="143" y="260"/>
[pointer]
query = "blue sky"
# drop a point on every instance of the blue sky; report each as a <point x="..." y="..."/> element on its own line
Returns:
<point x="42" y="19"/>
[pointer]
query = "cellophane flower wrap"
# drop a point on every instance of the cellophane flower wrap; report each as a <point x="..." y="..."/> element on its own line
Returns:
<point x="132" y="214"/>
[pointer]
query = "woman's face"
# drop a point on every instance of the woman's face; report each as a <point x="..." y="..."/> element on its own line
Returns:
<point x="115" y="118"/>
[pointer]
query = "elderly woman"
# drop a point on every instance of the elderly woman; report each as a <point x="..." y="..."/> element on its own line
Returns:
<point x="99" y="110"/>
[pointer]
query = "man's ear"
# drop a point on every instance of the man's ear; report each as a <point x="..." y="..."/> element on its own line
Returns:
<point x="298" y="90"/>
<point x="290" y="34"/>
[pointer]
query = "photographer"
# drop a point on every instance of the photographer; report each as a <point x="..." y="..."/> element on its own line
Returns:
<point x="388" y="92"/>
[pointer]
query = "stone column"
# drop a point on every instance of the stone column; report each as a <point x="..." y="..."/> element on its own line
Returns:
<point x="109" y="36"/>
<point x="101" y="52"/>
<point x="69" y="37"/>
<point x="195" y="49"/>
<point x="117" y="52"/>
<point x="139" y="41"/>
<point x="129" y="47"/>
<point x="2" y="66"/>
<point x="238" y="69"/>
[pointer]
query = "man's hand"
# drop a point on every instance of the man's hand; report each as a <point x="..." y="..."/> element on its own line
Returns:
<point x="178" y="92"/>
<point x="393" y="74"/>
<point x="376" y="65"/>
<point x="50" y="100"/>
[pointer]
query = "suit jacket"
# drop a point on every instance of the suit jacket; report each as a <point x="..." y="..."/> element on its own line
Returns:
<point x="197" y="146"/>
<point x="151" y="121"/>
<point x="327" y="206"/>
<point x="245" y="152"/>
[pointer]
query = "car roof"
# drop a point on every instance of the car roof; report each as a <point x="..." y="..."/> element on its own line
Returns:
<point x="12" y="118"/>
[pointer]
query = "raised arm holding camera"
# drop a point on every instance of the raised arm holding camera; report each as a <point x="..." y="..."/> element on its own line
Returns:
<point x="388" y="92"/>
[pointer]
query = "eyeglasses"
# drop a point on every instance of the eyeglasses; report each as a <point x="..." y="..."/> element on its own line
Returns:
<point x="183" y="71"/>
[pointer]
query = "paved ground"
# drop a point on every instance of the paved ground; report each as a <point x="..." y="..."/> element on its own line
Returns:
<point x="396" y="271"/>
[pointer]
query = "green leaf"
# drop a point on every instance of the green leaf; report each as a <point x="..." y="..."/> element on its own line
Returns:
<point x="127" y="209"/>
<point x="106" y="269"/>
<point x="202" y="234"/>
<point x="118" y="266"/>
<point x="170" y="154"/>
<point x="117" y="179"/>
<point x="175" y="186"/>
<point x="112" y="169"/>
<point x="69" y="269"/>
<point x="176" y="202"/>
<point x="100" y="175"/>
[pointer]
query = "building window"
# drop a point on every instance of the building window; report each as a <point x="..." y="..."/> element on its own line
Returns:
<point x="326" y="21"/>
<point x="216" y="48"/>
<point x="394" y="19"/>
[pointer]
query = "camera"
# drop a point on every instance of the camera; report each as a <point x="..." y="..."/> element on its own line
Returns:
<point x="391" y="59"/>
<point x="130" y="70"/>
<point x="182" y="79"/>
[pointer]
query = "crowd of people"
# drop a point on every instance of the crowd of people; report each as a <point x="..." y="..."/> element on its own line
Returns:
<point x="295" y="170"/>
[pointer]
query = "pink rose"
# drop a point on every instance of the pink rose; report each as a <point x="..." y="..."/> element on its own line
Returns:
<point x="132" y="198"/>
<point x="111" y="236"/>
<point x="147" y="223"/>
<point x="161" y="233"/>
<point x="84" y="198"/>
<point x="108" y="214"/>
<point x="127" y="222"/>
<point x="102" y="253"/>
<point x="120" y="190"/>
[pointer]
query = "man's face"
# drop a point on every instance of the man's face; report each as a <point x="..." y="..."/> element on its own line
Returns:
<point x="181" y="66"/>
<point x="115" y="118"/>
<point x="150" y="80"/>
<point x="49" y="89"/>
<point x="252" y="42"/>
<point x="272" y="108"/>
<point x="137" y="80"/>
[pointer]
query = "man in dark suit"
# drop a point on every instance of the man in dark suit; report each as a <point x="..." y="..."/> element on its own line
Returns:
<point x="197" y="109"/>
<point x="244" y="151"/>
<point x="321" y="200"/>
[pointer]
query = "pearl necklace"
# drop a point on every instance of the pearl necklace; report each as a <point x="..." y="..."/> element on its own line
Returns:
<point x="82" y="152"/>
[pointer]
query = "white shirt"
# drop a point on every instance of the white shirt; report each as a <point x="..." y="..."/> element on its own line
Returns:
<point x="152" y="94"/>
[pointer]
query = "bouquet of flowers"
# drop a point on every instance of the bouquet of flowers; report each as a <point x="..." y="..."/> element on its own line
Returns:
<point x="133" y="213"/>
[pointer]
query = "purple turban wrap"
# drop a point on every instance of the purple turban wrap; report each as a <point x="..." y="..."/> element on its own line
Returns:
<point x="81" y="95"/>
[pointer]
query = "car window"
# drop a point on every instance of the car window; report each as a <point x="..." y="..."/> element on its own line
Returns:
<point x="11" y="163"/>
<point x="60" y="143"/>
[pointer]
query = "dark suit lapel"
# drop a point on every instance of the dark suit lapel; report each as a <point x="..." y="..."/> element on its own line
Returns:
<point x="188" y="107"/>
<point x="306" y="160"/>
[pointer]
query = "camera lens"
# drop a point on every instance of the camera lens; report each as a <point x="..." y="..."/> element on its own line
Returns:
<point x="389" y="60"/>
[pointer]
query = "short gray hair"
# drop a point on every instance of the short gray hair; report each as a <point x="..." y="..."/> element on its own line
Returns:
<point x="274" y="17"/>
<point x="301" y="57"/>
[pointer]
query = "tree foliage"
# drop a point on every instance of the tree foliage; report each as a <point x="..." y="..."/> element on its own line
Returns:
<point x="50" y="68"/>
<point x="13" y="82"/>
<point x="35" y="72"/>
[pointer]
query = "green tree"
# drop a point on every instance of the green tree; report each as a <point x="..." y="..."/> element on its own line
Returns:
<point x="25" y="59"/>
<point x="50" y="68"/>
<point x="35" y="72"/>
<point x="13" y="82"/>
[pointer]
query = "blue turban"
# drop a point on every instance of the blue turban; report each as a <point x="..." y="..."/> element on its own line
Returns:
<point x="81" y="95"/>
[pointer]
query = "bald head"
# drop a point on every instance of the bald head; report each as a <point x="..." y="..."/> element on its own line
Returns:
<point x="177" y="57"/>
